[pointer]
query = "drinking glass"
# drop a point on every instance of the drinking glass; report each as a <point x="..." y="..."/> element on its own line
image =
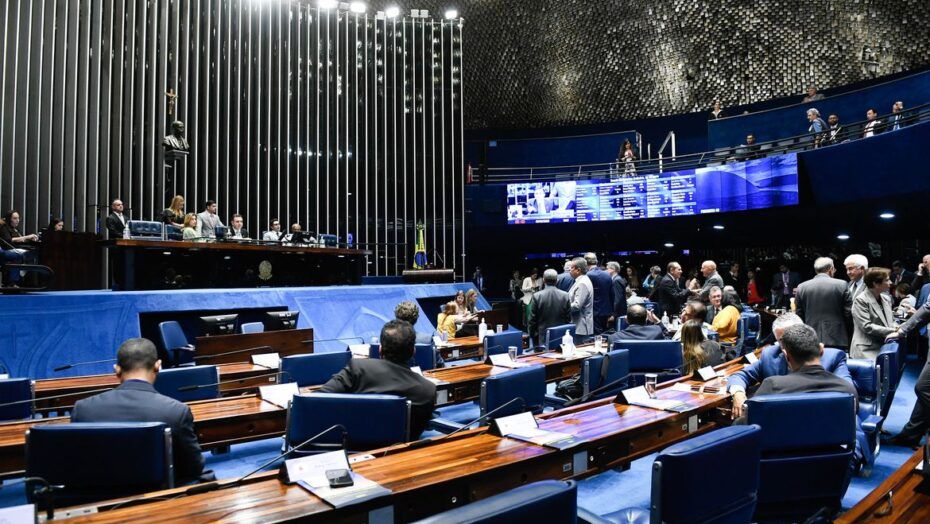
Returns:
<point x="651" y="380"/>
<point x="598" y="342"/>
<point x="512" y="351"/>
<point x="500" y="328"/>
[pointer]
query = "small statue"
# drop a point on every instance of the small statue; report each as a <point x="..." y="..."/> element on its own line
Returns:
<point x="176" y="141"/>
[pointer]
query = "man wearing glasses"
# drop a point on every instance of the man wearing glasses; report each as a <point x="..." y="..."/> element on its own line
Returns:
<point x="275" y="234"/>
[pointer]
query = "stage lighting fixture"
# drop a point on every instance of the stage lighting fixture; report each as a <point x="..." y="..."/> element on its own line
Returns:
<point x="451" y="14"/>
<point x="327" y="4"/>
<point x="392" y="11"/>
<point x="358" y="7"/>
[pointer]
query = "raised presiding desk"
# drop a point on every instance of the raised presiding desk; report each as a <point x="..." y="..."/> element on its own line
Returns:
<point x="170" y="264"/>
<point x="239" y="347"/>
<point x="443" y="473"/>
<point x="903" y="497"/>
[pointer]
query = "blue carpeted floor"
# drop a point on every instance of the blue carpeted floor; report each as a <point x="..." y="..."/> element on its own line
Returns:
<point x="601" y="494"/>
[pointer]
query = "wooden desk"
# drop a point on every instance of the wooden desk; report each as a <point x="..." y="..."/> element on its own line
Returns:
<point x="903" y="497"/>
<point x="223" y="349"/>
<point x="447" y="473"/>
<point x="247" y="376"/>
<point x="461" y="348"/>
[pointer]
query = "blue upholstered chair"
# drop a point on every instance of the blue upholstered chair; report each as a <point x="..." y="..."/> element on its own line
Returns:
<point x="554" y="336"/>
<point x="371" y="421"/>
<point x="179" y="350"/>
<point x="98" y="461"/>
<point x="808" y="443"/>
<point x="662" y="357"/>
<point x="600" y="370"/>
<point x="313" y="369"/>
<point x="424" y="356"/>
<point x="252" y="327"/>
<point x="549" y="501"/>
<point x="677" y="498"/>
<point x="497" y="343"/>
<point x="374" y="351"/>
<point x="888" y="361"/>
<point x="753" y="327"/>
<point x="16" y="390"/>
<point x="866" y="375"/>
<point x="168" y="382"/>
<point x="143" y="229"/>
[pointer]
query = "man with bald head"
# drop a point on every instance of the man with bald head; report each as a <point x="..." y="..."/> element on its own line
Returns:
<point x="711" y="279"/>
<point x="116" y="221"/>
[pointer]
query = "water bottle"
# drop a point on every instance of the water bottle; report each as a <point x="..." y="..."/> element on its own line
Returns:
<point x="568" y="344"/>
<point x="482" y="331"/>
<point x="665" y="319"/>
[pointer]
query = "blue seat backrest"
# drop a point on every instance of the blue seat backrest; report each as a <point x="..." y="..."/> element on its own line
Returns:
<point x="374" y="351"/>
<point x="677" y="498"/>
<point x="174" y="232"/>
<point x="169" y="381"/>
<point x="172" y="336"/>
<point x="497" y="343"/>
<point x="96" y="461"/>
<point x="221" y="231"/>
<point x="618" y="367"/>
<point x="529" y="383"/>
<point x="865" y="375"/>
<point x="803" y="421"/>
<point x="143" y="228"/>
<point x="554" y="335"/>
<point x="887" y="361"/>
<point x="424" y="356"/>
<point x="313" y="369"/>
<point x="252" y="327"/>
<point x="622" y="323"/>
<point x="371" y="421"/>
<point x="649" y="355"/>
<point x="15" y="390"/>
<point x="543" y="501"/>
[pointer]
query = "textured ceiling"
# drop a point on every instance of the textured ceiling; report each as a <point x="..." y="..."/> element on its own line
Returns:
<point x="564" y="62"/>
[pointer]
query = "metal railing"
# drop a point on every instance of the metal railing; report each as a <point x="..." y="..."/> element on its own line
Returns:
<point x="661" y="164"/>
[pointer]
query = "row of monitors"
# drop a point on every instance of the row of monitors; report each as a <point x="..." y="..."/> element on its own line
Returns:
<point x="226" y="324"/>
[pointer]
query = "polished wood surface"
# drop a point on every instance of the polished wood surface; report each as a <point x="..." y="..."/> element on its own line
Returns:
<point x="903" y="497"/>
<point x="75" y="257"/>
<point x="239" y="347"/>
<point x="444" y="473"/>
<point x="461" y="348"/>
<point x="234" y="246"/>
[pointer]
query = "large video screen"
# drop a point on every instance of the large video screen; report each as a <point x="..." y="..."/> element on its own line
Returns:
<point x="754" y="184"/>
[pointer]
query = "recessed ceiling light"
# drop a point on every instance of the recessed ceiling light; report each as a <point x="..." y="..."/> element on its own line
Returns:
<point x="718" y="226"/>
<point x="886" y="215"/>
<point x="669" y="244"/>
<point x="358" y="7"/>
<point x="392" y="11"/>
<point x="451" y="14"/>
<point x="842" y="237"/>
<point x="327" y="4"/>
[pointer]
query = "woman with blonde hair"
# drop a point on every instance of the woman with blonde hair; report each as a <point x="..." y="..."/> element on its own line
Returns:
<point x="471" y="302"/>
<point x="190" y="228"/>
<point x="175" y="212"/>
<point x="697" y="351"/>
<point x="446" y="321"/>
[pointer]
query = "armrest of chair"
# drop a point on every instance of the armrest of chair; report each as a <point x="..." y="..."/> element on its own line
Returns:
<point x="444" y="425"/>
<point x="555" y="401"/>
<point x="872" y="424"/>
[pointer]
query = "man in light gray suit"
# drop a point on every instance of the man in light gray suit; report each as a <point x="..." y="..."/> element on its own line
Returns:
<point x="855" y="269"/>
<point x="548" y="308"/>
<point x="823" y="302"/>
<point x="207" y="221"/>
<point x="711" y="279"/>
<point x="581" y="299"/>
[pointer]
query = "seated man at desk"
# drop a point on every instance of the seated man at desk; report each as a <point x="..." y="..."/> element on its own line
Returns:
<point x="135" y="400"/>
<point x="390" y="375"/>
<point x="236" y="229"/>
<point x="639" y="328"/>
<point x="774" y="363"/>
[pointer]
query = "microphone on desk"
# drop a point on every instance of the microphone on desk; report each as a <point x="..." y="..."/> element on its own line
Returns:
<point x="75" y="364"/>
<point x="194" y="387"/>
<point x="423" y="442"/>
<point x="42" y="399"/>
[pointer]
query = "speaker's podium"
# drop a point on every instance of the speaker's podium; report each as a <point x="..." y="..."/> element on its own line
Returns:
<point x="428" y="276"/>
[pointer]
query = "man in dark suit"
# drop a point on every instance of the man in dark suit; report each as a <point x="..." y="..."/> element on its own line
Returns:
<point x="618" y="283"/>
<point x="737" y="280"/>
<point x="390" y="375"/>
<point x="638" y="328"/>
<point x="136" y="400"/>
<point x="919" y="422"/>
<point x="549" y="307"/>
<point x="565" y="280"/>
<point x="823" y="303"/>
<point x="116" y="221"/>
<point x="603" y="293"/>
<point x="236" y="228"/>
<point x="670" y="296"/>
<point x="783" y="285"/>
<point x="773" y="363"/>
<point x="899" y="275"/>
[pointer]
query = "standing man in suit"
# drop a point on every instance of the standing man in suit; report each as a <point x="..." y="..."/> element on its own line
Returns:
<point x="135" y="400"/>
<point x="835" y="133"/>
<point x="899" y="275"/>
<point x="897" y="120"/>
<point x="618" y="285"/>
<point x="237" y="230"/>
<point x="390" y="375"/>
<point x="855" y="269"/>
<point x="565" y="279"/>
<point x="773" y="363"/>
<point x="823" y="304"/>
<point x="873" y="125"/>
<point x="638" y="327"/>
<point x="783" y="285"/>
<point x="548" y="308"/>
<point x="116" y="221"/>
<point x="919" y="422"/>
<point x="921" y="277"/>
<point x="603" y="293"/>
<point x="208" y="221"/>
<point x="669" y="295"/>
<point x="711" y="279"/>
<point x="734" y="278"/>
<point x="581" y="299"/>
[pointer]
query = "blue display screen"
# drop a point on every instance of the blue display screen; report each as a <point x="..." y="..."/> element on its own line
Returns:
<point x="740" y="186"/>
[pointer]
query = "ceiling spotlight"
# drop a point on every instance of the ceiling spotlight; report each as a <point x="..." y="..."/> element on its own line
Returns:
<point x="327" y="4"/>
<point x="451" y="14"/>
<point x="842" y="237"/>
<point x="358" y="7"/>
<point x="669" y="244"/>
<point x="718" y="227"/>
<point x="886" y="215"/>
<point x="392" y="11"/>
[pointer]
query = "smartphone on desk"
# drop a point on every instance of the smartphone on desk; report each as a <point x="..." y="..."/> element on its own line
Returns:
<point x="339" y="478"/>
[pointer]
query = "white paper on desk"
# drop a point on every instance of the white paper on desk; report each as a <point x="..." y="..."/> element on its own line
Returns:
<point x="519" y="423"/>
<point x="540" y="437"/>
<point x="360" y="350"/>
<point x="312" y="469"/>
<point x="268" y="360"/>
<point x="439" y="342"/>
<point x="504" y="360"/>
<point x="417" y="370"/>
<point x="361" y="490"/>
<point x="279" y="394"/>
<point x="24" y="514"/>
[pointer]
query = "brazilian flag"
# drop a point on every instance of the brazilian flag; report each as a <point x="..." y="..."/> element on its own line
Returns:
<point x="419" y="254"/>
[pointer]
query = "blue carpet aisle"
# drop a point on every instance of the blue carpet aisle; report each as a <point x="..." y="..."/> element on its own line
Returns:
<point x="602" y="494"/>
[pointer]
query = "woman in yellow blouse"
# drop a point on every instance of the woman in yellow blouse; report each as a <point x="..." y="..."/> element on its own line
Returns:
<point x="725" y="319"/>
<point x="446" y="321"/>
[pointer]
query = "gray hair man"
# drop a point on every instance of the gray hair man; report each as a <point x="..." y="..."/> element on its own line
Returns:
<point x="711" y="279"/>
<point x="581" y="299"/>
<point x="824" y="304"/>
<point x="565" y="279"/>
<point x="602" y="284"/>
<point x="618" y="283"/>
<point x="548" y="308"/>
<point x="855" y="269"/>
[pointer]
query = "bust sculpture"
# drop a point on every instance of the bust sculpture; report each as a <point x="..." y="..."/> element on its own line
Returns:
<point x="176" y="140"/>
